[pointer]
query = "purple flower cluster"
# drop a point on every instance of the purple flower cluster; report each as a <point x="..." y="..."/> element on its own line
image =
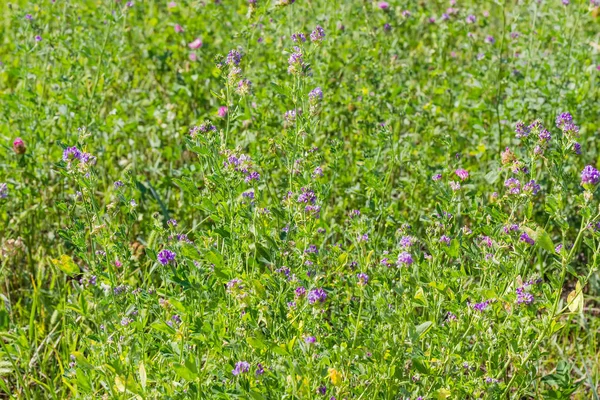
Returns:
<point x="296" y="63"/>
<point x="462" y="174"/>
<point x="73" y="153"/>
<point x="240" y="368"/>
<point x="590" y="176"/>
<point x="521" y="130"/>
<point x="531" y="187"/>
<point x="404" y="258"/>
<point x="298" y="37"/>
<point x="513" y="185"/>
<point x="526" y="239"/>
<point x="317" y="34"/>
<point x="234" y="57"/>
<point x="3" y="191"/>
<point x="317" y="296"/>
<point x="166" y="256"/>
<point x="307" y="196"/>
<point x="480" y="306"/>
<point x="363" y="279"/>
<point x="205" y="127"/>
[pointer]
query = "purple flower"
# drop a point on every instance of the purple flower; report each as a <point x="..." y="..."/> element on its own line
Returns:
<point x="544" y="135"/>
<point x="513" y="185"/>
<point x="406" y="241"/>
<point x="480" y="306"/>
<point x="166" y="256"/>
<point x="252" y="176"/>
<point x="531" y="187"/>
<point x="222" y="112"/>
<point x="577" y="148"/>
<point x="589" y="176"/>
<point x="307" y="196"/>
<point x="233" y="58"/>
<point x="526" y="239"/>
<point x="317" y="295"/>
<point x="249" y="194"/>
<point x="315" y="95"/>
<point x="322" y="389"/>
<point x="71" y="153"/>
<point x="317" y="35"/>
<point x="437" y="177"/>
<point x="490" y="39"/>
<point x="363" y="279"/>
<point x="259" y="370"/>
<point x="298" y="37"/>
<point x="240" y="368"/>
<point x="3" y="191"/>
<point x="383" y="5"/>
<point x="462" y="174"/>
<point x="296" y="62"/>
<point x="310" y="339"/>
<point x="521" y="130"/>
<point x="563" y="119"/>
<point x="445" y="240"/>
<point x="454" y="185"/>
<point x="38" y="38"/>
<point x="470" y="19"/>
<point x="312" y="249"/>
<point x="404" y="258"/>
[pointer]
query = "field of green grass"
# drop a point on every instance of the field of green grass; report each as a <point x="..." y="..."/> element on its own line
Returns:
<point x="310" y="199"/>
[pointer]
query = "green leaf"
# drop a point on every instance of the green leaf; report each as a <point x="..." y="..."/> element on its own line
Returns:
<point x="142" y="372"/>
<point x="184" y="372"/>
<point x="544" y="240"/>
<point x="423" y="328"/>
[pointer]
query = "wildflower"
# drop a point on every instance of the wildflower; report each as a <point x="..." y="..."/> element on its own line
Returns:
<point x="317" y="295"/>
<point x="318" y="172"/>
<point x="335" y="376"/>
<point x="196" y="44"/>
<point x="436" y="177"/>
<point x="383" y="5"/>
<point x="307" y="196"/>
<point x="526" y="239"/>
<point x="310" y="339"/>
<point x="234" y="57"/>
<point x="259" y="370"/>
<point x="249" y="194"/>
<point x="404" y="258"/>
<point x="298" y="37"/>
<point x="577" y="148"/>
<point x="19" y="146"/>
<point x="252" y="176"/>
<point x="315" y="95"/>
<point x="296" y="62"/>
<point x="322" y="389"/>
<point x="454" y="185"/>
<point x="244" y="87"/>
<point x="71" y="153"/>
<point x="563" y="119"/>
<point x="240" y="368"/>
<point x="490" y="39"/>
<point x="471" y="19"/>
<point x="480" y="306"/>
<point x="363" y="279"/>
<point x="462" y="174"/>
<point x="178" y="28"/>
<point x="3" y="191"/>
<point x="521" y="130"/>
<point x="38" y="38"/>
<point x="312" y="249"/>
<point x="589" y="176"/>
<point x="445" y="240"/>
<point x="544" y="135"/>
<point x="126" y="321"/>
<point x="222" y="111"/>
<point x="317" y="34"/>
<point x="166" y="256"/>
<point x="531" y="187"/>
<point x="513" y="185"/>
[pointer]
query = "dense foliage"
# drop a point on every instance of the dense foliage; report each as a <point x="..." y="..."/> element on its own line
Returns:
<point x="273" y="199"/>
